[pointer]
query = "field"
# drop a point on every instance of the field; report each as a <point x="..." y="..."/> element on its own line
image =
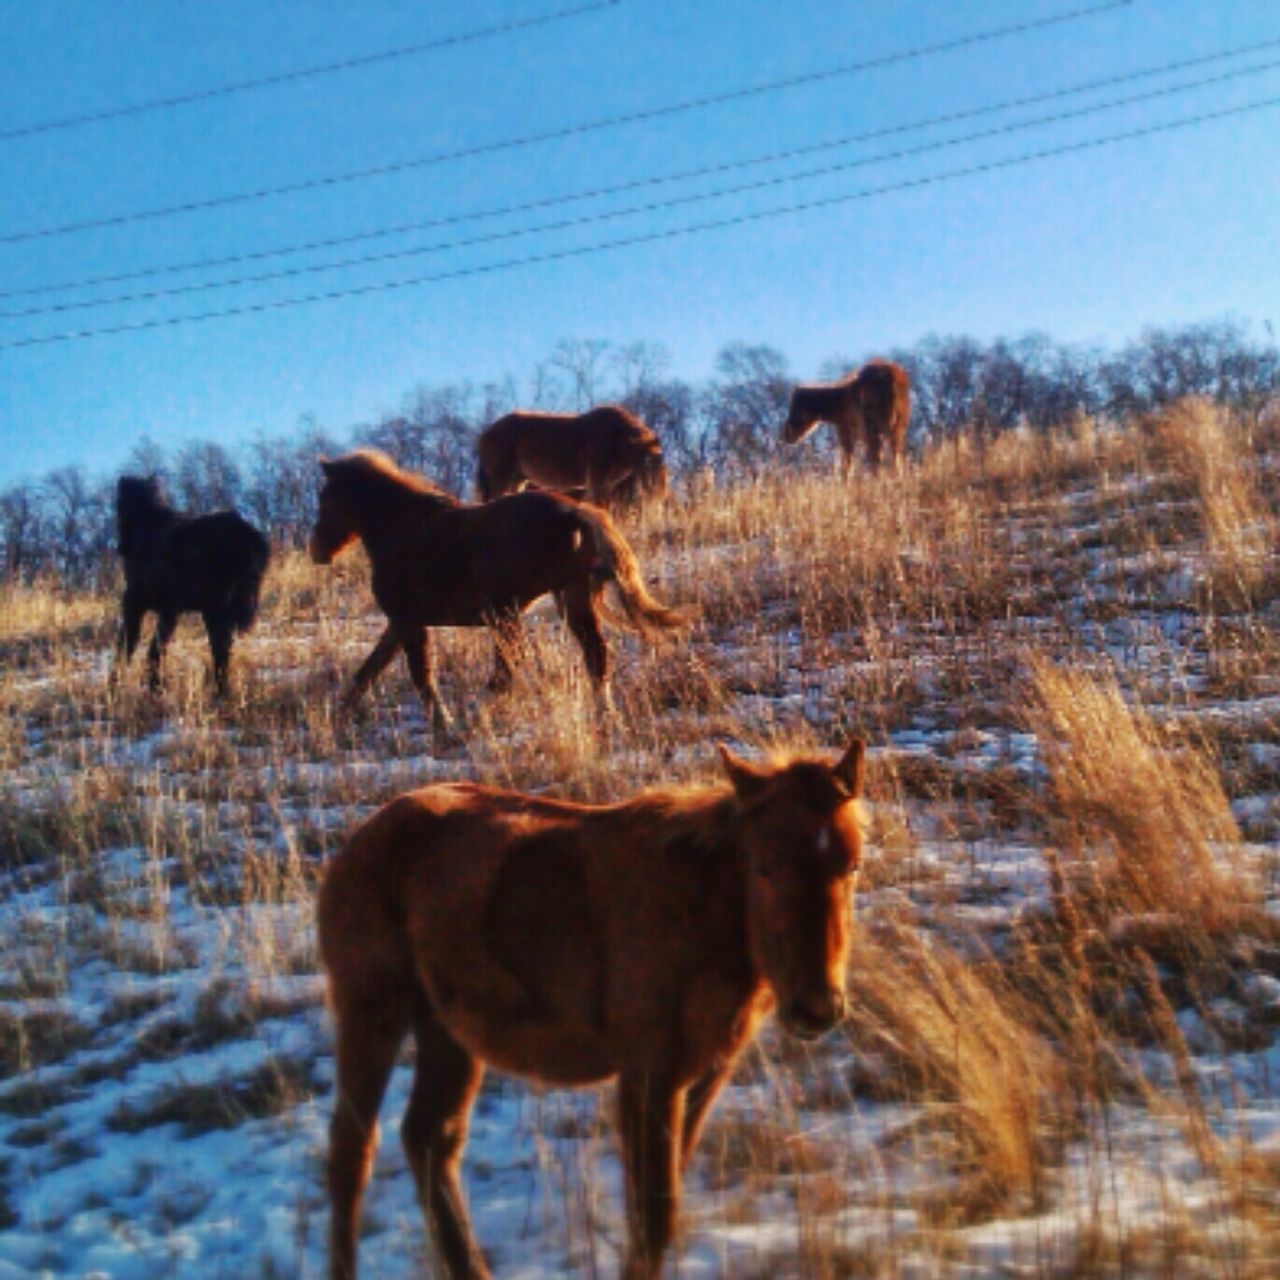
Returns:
<point x="1063" y="1057"/>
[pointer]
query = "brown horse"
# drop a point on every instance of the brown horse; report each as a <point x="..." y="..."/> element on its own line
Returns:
<point x="572" y="943"/>
<point x="874" y="403"/>
<point x="441" y="562"/>
<point x="607" y="452"/>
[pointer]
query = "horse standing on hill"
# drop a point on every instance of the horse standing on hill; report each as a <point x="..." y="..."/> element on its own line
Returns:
<point x="572" y="943"/>
<point x="607" y="452"/>
<point x="873" y="404"/>
<point x="438" y="561"/>
<point x="175" y="563"/>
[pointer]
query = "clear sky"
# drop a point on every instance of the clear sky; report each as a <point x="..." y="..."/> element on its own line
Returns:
<point x="1091" y="245"/>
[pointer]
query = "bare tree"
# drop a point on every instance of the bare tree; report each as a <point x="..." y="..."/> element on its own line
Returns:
<point x="582" y="362"/>
<point x="639" y="365"/>
<point x="746" y="404"/>
<point x="20" y="531"/>
<point x="206" y="477"/>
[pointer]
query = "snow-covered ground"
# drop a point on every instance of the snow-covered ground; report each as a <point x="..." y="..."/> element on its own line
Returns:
<point x="165" y="1054"/>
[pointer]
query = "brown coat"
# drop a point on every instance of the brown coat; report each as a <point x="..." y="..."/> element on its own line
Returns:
<point x="441" y="562"/>
<point x="873" y="404"/>
<point x="571" y="943"/>
<point x="607" y="451"/>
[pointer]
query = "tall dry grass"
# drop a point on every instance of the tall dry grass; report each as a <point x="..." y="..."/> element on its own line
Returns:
<point x="975" y="599"/>
<point x="1138" y="809"/>
<point x="1206" y="451"/>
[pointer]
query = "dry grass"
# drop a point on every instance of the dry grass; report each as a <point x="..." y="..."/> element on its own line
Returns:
<point x="1141" y="814"/>
<point x="1038" y="634"/>
<point x="1204" y="450"/>
<point x="956" y="1034"/>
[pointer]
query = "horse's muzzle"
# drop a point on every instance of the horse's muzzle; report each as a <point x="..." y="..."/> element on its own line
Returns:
<point x="809" y="1016"/>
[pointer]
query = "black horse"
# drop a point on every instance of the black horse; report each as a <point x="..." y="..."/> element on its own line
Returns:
<point x="175" y="563"/>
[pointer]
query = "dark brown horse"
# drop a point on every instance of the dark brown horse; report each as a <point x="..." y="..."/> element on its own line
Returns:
<point x="572" y="943"/>
<point x="441" y="562"/>
<point x="873" y="404"/>
<point x="607" y="452"/>
<point x="174" y="564"/>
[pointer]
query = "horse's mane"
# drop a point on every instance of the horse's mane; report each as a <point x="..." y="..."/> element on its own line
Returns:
<point x="704" y="804"/>
<point x="365" y="467"/>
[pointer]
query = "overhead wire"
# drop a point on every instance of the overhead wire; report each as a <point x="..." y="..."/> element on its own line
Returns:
<point x="569" y="131"/>
<point x="302" y="73"/>
<point x="679" y="201"/>
<point x="618" y="188"/>
<point x="651" y="237"/>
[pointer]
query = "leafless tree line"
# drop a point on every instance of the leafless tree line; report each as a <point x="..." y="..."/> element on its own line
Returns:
<point x="63" y="524"/>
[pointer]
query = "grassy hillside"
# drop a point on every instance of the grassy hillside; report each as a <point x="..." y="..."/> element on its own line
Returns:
<point x="1064" y="1051"/>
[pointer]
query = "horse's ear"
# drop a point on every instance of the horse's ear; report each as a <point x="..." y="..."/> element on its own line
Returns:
<point x="326" y="465"/>
<point x="748" y="779"/>
<point x="851" y="769"/>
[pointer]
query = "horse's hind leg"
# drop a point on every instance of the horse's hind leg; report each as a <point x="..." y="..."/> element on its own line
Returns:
<point x="650" y="1114"/>
<point x="369" y="1039"/>
<point x="166" y="624"/>
<point x="434" y="1133"/>
<point x="875" y="448"/>
<point x="508" y="648"/>
<point x="219" y="630"/>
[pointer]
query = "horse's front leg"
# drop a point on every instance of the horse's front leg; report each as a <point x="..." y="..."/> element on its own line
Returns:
<point x="373" y="666"/>
<point x="131" y="615"/>
<point x="698" y="1102"/>
<point x="651" y="1118"/>
<point x="416" y="641"/>
<point x="166" y="625"/>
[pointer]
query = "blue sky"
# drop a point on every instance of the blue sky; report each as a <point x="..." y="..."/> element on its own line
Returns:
<point x="1089" y="246"/>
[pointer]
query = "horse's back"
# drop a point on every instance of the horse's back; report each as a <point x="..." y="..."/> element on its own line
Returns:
<point x="441" y="843"/>
<point x="563" y="445"/>
<point x="215" y="563"/>
<point x="479" y="899"/>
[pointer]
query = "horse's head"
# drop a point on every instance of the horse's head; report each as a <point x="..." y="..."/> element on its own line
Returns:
<point x="802" y="417"/>
<point x="802" y="842"/>
<point x="335" y="526"/>
<point x="652" y="472"/>
<point x="137" y="497"/>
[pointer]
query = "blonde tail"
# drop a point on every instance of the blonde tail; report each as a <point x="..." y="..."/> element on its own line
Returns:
<point x="616" y="563"/>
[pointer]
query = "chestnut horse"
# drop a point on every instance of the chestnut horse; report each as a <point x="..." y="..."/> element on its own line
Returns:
<point x="608" y="452"/>
<point x="874" y="403"/>
<point x="441" y="562"/>
<point x="572" y="943"/>
<point x="175" y="564"/>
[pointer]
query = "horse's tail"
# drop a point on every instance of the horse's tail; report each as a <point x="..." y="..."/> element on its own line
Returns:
<point x="246" y="586"/>
<point x="616" y="563"/>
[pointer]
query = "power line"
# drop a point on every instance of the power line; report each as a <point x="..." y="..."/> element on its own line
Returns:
<point x="650" y="237"/>
<point x="546" y="202"/>
<point x="592" y="126"/>
<point x="304" y="73"/>
<point x="611" y="215"/>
